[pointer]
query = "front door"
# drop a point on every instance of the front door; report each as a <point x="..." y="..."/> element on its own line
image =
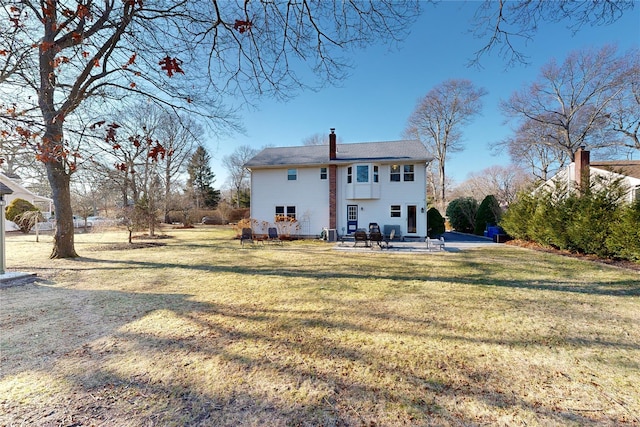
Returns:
<point x="352" y="218"/>
<point x="412" y="216"/>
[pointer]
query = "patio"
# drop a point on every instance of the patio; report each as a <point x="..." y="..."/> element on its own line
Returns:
<point x="454" y="242"/>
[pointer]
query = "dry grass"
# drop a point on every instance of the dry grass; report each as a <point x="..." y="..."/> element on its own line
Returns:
<point x="201" y="332"/>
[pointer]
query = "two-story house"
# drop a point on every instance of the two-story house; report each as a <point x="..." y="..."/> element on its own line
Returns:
<point x="342" y="187"/>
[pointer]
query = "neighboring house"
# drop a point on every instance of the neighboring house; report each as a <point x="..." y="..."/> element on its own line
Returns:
<point x="583" y="170"/>
<point x="45" y="204"/>
<point x="342" y="187"/>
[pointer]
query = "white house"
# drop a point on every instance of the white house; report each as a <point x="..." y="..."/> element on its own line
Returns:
<point x="342" y="187"/>
<point x="582" y="170"/>
<point x="45" y="204"/>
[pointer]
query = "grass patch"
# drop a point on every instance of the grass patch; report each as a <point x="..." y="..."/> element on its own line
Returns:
<point x="201" y="332"/>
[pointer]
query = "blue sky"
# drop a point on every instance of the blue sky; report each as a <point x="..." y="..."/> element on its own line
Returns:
<point x="375" y="101"/>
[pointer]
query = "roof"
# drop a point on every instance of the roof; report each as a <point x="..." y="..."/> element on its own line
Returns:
<point x="310" y="155"/>
<point x="624" y="167"/>
<point x="4" y="189"/>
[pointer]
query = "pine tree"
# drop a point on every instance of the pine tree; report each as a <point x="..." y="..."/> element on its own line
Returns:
<point x="201" y="179"/>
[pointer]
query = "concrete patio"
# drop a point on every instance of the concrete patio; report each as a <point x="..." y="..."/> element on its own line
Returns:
<point x="454" y="242"/>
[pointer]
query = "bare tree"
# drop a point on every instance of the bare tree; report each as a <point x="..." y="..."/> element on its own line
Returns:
<point x="624" y="110"/>
<point x="238" y="174"/>
<point x="507" y="27"/>
<point x="531" y="147"/>
<point x="503" y="182"/>
<point x="89" y="54"/>
<point x="438" y="120"/>
<point x="570" y="100"/>
<point x="319" y="139"/>
<point x="178" y="135"/>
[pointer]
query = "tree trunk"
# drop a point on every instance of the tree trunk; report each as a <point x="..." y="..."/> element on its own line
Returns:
<point x="63" y="238"/>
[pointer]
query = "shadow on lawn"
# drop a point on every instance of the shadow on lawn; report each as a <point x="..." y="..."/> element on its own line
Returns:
<point x="296" y="349"/>
<point x="482" y="275"/>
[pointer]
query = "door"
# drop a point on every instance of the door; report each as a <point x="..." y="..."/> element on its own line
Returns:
<point x="352" y="218"/>
<point x="412" y="217"/>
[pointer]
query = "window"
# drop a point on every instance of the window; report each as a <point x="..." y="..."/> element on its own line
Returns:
<point x="291" y="212"/>
<point x="375" y="174"/>
<point x="394" y="176"/>
<point x="352" y="213"/>
<point x="362" y="172"/>
<point x="395" y="211"/>
<point x="349" y="175"/>
<point x="323" y="173"/>
<point x="292" y="174"/>
<point x="285" y="213"/>
<point x="408" y="172"/>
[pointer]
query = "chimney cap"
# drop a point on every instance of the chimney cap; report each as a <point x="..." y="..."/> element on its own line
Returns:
<point x="333" y="130"/>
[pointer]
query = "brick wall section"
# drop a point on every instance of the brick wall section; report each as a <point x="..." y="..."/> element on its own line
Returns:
<point x="333" y="173"/>
<point x="581" y="163"/>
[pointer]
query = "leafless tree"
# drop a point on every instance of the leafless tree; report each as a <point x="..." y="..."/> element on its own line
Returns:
<point x="624" y="110"/>
<point x="319" y="139"/>
<point x="438" y="120"/>
<point x="91" y="54"/>
<point x="570" y="100"/>
<point x="531" y="147"/>
<point x="238" y="174"/>
<point x="503" y="182"/>
<point x="507" y="27"/>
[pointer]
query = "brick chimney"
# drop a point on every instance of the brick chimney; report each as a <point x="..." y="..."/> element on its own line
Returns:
<point x="332" y="144"/>
<point x="333" y="178"/>
<point x="581" y="168"/>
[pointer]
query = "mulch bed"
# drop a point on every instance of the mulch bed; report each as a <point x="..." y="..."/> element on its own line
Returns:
<point x="628" y="265"/>
<point x="136" y="243"/>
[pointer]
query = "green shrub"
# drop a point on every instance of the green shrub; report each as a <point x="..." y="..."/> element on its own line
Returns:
<point x="435" y="222"/>
<point x="19" y="211"/>
<point x="594" y="222"/>
<point x="488" y="214"/>
<point x="624" y="239"/>
<point x="462" y="214"/>
<point x="517" y="219"/>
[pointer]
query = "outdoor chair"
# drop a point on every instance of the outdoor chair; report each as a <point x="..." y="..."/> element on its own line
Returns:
<point x="376" y="236"/>
<point x="388" y="239"/>
<point x="388" y="228"/>
<point x="273" y="236"/>
<point x="360" y="236"/>
<point x="247" y="236"/>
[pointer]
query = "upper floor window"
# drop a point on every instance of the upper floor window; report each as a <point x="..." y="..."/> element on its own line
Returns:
<point x="394" y="175"/>
<point x="362" y="172"/>
<point x="375" y="174"/>
<point x="292" y="174"/>
<point x="323" y="173"/>
<point x="408" y="172"/>
<point x="349" y="175"/>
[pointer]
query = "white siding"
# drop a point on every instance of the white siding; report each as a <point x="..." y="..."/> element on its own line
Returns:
<point x="308" y="193"/>
<point x="378" y="208"/>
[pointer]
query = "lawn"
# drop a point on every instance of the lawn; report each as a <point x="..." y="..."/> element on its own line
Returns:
<point x="200" y="332"/>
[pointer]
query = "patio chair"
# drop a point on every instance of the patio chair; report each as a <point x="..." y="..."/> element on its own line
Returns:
<point x="376" y="236"/>
<point x="246" y="236"/>
<point x="361" y="236"/>
<point x="273" y="236"/>
<point x="388" y="239"/>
